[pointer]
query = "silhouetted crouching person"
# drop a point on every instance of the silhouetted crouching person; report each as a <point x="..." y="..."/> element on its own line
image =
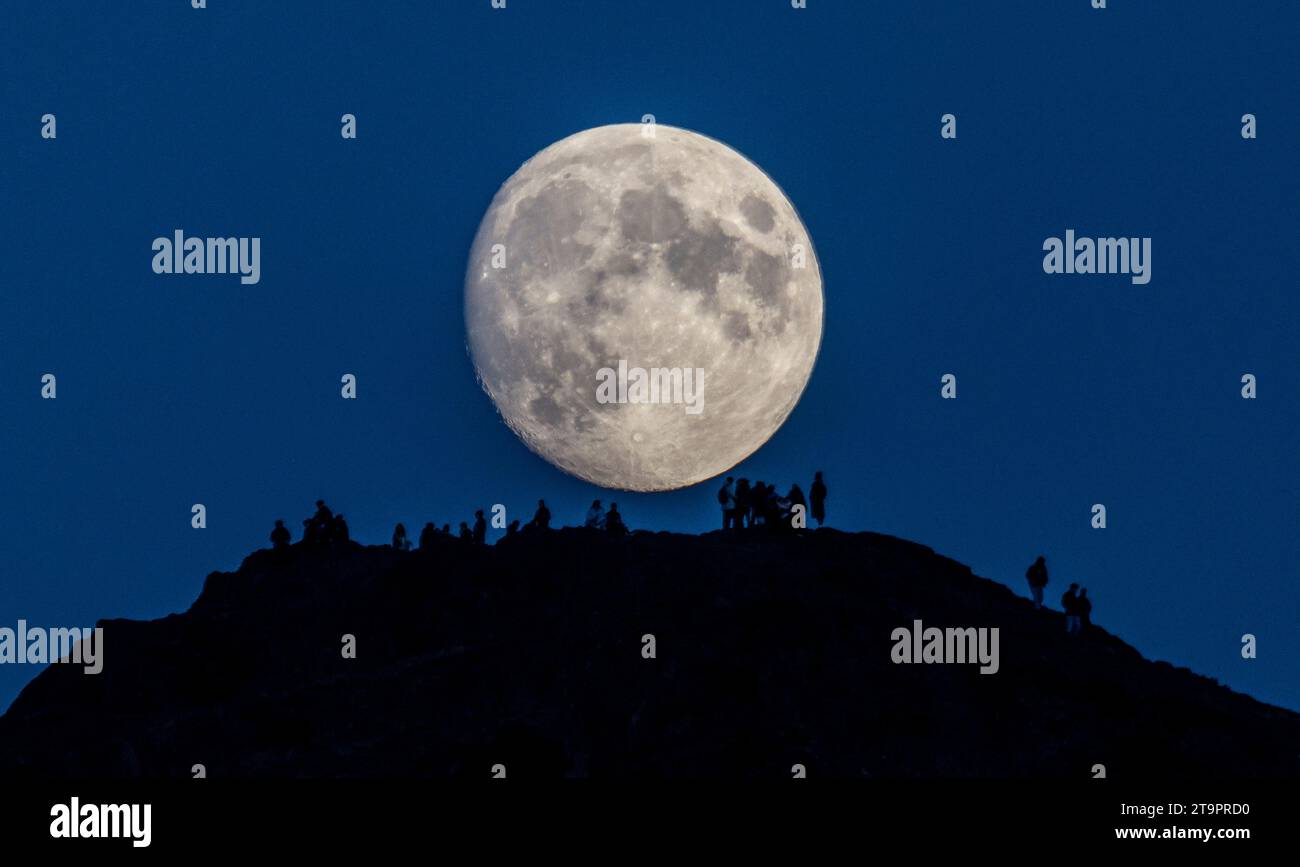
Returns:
<point x="818" y="494"/>
<point x="1036" y="575"/>
<point x="541" y="518"/>
<point x="614" y="521"/>
<point x="513" y="527"/>
<point x="280" y="536"/>
<point x="1070" y="605"/>
<point x="338" y="531"/>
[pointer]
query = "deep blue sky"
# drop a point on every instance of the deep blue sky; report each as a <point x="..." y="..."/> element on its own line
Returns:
<point x="1072" y="390"/>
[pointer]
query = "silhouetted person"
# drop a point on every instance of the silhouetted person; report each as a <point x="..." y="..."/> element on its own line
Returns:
<point x="767" y="509"/>
<point x="541" y="518"/>
<point x="1036" y="575"/>
<point x="426" y="536"/>
<point x="308" y="531"/>
<point x="727" y="499"/>
<point x="400" y="542"/>
<point x="513" y="527"/>
<point x="817" y="493"/>
<point x="1085" y="609"/>
<point x="796" y="498"/>
<point x="743" y="501"/>
<point x="446" y="529"/>
<point x="614" y="521"/>
<point x="758" y="504"/>
<point x="338" y="534"/>
<point x="595" y="516"/>
<point x="280" y="536"/>
<point x="1070" y="605"/>
<point x="480" y="528"/>
<point x="321" y="522"/>
<point x="465" y="534"/>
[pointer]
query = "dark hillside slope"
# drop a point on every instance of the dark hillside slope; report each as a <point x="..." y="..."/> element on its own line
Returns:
<point x="771" y="650"/>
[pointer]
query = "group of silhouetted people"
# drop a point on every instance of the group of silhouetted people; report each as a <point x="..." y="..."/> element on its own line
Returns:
<point x="322" y="528"/>
<point x="610" y="521"/>
<point x="1075" y="602"/>
<point x="759" y="505"/>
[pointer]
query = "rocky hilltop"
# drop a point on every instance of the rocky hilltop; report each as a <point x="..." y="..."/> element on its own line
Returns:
<point x="769" y="651"/>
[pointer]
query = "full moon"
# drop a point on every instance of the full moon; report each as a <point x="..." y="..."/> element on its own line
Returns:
<point x="643" y="247"/>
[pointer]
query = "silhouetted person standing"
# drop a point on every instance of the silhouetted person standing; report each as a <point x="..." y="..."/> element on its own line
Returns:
<point x="1085" y="609"/>
<point x="541" y="518"/>
<point x="595" y="516"/>
<point x="1070" y="605"/>
<point x="280" y="536"/>
<point x="727" y="499"/>
<point x="480" y="528"/>
<point x="426" y="536"/>
<point x="614" y="521"/>
<point x="742" y="503"/>
<point x="818" y="495"/>
<point x="796" y="498"/>
<point x="758" y="504"/>
<point x="446" y="529"/>
<point x="400" y="542"/>
<point x="1036" y="575"/>
<point x="338" y="533"/>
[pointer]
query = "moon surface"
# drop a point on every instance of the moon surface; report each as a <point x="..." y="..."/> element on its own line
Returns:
<point x="659" y="248"/>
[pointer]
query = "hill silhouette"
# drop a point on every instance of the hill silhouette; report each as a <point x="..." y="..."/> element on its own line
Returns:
<point x="771" y="650"/>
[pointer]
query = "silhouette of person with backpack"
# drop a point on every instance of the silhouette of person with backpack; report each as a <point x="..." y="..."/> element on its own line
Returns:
<point x="280" y="536"/>
<point x="1036" y="575"/>
<point x="818" y="495"/>
<point x="1070" y="605"/>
